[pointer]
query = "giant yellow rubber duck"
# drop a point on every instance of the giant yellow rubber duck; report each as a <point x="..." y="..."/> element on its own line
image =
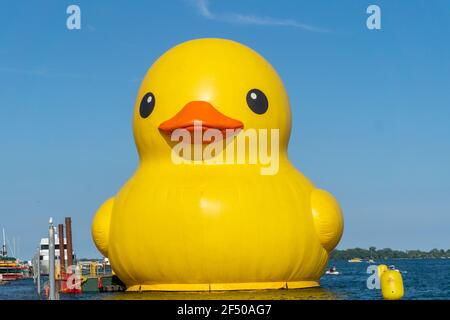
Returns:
<point x="195" y="226"/>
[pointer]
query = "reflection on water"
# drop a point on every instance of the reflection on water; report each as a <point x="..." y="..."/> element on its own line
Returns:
<point x="282" y="294"/>
<point x="423" y="279"/>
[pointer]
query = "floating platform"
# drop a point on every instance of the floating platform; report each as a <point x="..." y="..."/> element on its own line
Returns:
<point x="102" y="283"/>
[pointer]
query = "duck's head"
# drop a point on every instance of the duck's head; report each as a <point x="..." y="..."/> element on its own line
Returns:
<point x="222" y="83"/>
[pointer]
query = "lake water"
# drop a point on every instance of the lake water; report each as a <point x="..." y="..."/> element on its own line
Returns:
<point x="423" y="279"/>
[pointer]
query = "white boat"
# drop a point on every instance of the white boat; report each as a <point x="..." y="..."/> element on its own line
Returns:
<point x="333" y="273"/>
<point x="43" y="253"/>
<point x="392" y="267"/>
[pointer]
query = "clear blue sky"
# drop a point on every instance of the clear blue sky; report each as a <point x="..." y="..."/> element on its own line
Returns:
<point x="371" y="109"/>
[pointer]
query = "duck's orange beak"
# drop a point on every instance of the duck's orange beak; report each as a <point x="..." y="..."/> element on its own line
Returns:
<point x="202" y="111"/>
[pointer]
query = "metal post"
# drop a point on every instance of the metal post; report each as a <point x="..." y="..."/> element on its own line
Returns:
<point x="38" y="270"/>
<point x="51" y="261"/>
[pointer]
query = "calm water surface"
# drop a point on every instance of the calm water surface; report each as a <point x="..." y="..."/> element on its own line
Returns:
<point x="423" y="279"/>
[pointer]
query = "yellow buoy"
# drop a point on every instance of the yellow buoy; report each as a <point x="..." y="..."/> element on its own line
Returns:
<point x="381" y="269"/>
<point x="392" y="285"/>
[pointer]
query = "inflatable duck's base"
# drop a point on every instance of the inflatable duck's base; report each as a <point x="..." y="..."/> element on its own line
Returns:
<point x="224" y="286"/>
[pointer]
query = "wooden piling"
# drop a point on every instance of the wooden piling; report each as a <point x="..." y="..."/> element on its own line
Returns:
<point x="62" y="260"/>
<point x="68" y="222"/>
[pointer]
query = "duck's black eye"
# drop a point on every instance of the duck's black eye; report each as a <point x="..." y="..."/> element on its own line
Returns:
<point x="147" y="105"/>
<point x="257" y="101"/>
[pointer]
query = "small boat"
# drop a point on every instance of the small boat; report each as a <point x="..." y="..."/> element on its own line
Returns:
<point x="392" y="267"/>
<point x="355" y="260"/>
<point x="332" y="271"/>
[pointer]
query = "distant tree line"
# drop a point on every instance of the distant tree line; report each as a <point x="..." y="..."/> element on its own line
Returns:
<point x="388" y="253"/>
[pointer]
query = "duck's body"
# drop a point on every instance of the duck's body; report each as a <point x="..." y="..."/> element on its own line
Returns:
<point x="217" y="227"/>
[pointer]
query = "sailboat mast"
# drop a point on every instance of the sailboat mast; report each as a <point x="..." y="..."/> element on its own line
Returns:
<point x="4" y="253"/>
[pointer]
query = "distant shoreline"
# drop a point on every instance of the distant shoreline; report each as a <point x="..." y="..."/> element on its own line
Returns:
<point x="388" y="254"/>
<point x="372" y="253"/>
<point x="382" y="259"/>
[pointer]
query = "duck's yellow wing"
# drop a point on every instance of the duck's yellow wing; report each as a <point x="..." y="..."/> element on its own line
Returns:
<point x="327" y="216"/>
<point x="100" y="226"/>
